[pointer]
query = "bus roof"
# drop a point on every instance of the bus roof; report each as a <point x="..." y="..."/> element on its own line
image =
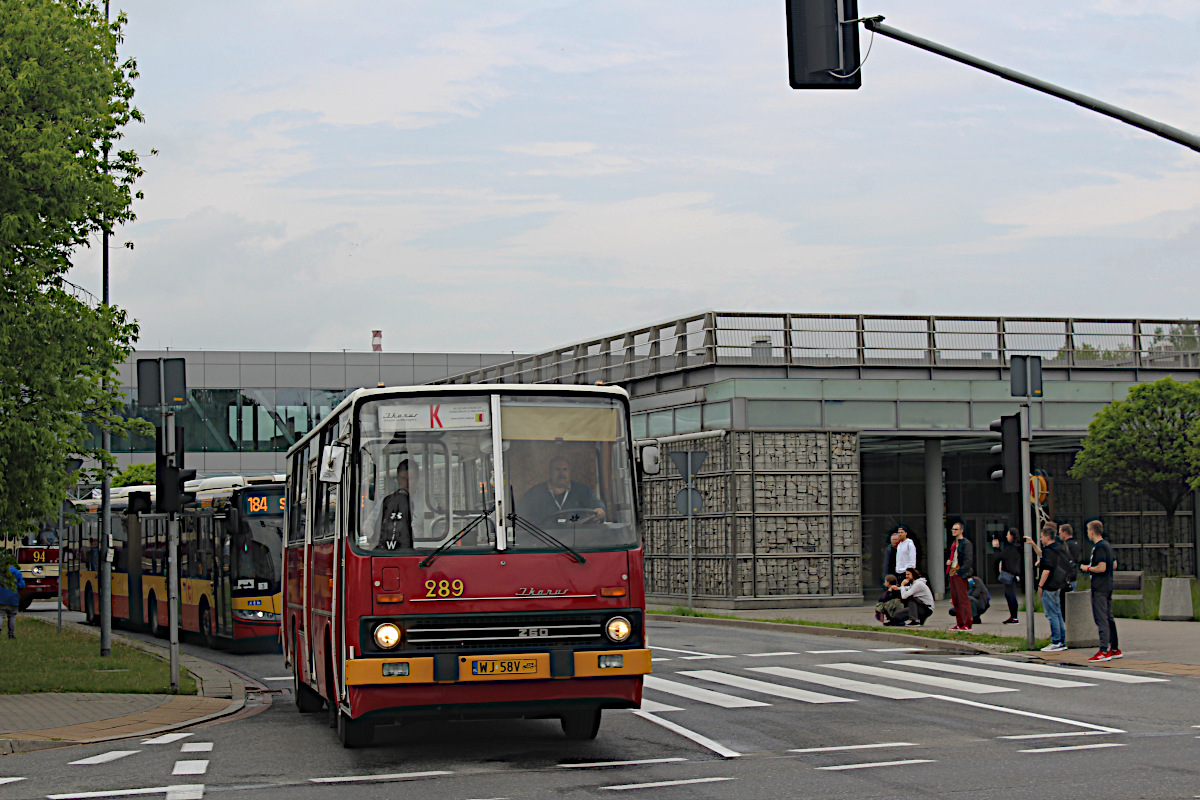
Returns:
<point x="449" y="390"/>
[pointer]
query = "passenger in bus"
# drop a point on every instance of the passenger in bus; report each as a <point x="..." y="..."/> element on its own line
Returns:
<point x="395" y="524"/>
<point x="558" y="494"/>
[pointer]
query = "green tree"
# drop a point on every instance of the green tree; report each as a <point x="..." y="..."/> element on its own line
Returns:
<point x="1143" y="446"/>
<point x="135" y="475"/>
<point x="64" y="101"/>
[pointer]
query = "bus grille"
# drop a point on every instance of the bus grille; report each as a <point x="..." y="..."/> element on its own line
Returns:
<point x="445" y="633"/>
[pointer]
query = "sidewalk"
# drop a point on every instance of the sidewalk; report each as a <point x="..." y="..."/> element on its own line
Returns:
<point x="1171" y="647"/>
<point x="86" y="718"/>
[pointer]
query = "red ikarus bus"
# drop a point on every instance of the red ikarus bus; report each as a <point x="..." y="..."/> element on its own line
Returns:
<point x="465" y="552"/>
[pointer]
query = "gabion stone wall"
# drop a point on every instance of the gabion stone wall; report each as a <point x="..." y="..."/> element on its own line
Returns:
<point x="781" y="519"/>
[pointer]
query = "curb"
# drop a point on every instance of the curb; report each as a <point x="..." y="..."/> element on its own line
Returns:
<point x="212" y="680"/>
<point x="945" y="645"/>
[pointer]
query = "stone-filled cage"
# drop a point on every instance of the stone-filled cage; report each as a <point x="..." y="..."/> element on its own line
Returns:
<point x="781" y="522"/>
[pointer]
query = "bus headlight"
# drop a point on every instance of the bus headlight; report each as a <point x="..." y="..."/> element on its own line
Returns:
<point x="387" y="635"/>
<point x="37" y="570"/>
<point x="618" y="629"/>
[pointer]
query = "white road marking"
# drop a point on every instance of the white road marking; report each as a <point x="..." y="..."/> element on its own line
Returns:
<point x="280" y="678"/>
<point x="879" y="764"/>
<point x="656" y="648"/>
<point x="834" y="682"/>
<point x="771" y="655"/>
<point x="763" y="687"/>
<point x="895" y="649"/>
<point x="179" y="792"/>
<point x="660" y="659"/>
<point x="1049" y="683"/>
<point x="623" y="787"/>
<point x="621" y="763"/>
<point x="396" y="776"/>
<point x="657" y="708"/>
<point x="196" y="747"/>
<point x="1020" y="713"/>
<point x="701" y="658"/>
<point x="927" y="680"/>
<point x="1059" y="735"/>
<point x="821" y="652"/>
<point x="696" y="693"/>
<point x="700" y="739"/>
<point x="166" y="738"/>
<point x="1091" y="674"/>
<point x="854" y="747"/>
<point x="104" y="758"/>
<point x="190" y="767"/>
<point x="1074" y="747"/>
<point x="10" y="780"/>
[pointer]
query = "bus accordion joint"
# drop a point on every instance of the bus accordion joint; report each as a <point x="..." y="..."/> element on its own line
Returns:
<point x="613" y="591"/>
<point x="389" y="598"/>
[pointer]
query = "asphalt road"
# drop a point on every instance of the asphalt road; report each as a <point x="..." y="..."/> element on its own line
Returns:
<point x="730" y="713"/>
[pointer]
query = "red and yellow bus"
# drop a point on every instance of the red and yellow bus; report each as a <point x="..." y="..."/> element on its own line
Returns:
<point x="463" y="552"/>
<point x="230" y="555"/>
<point x="37" y="558"/>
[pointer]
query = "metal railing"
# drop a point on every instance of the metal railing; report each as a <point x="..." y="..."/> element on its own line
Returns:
<point x="823" y="340"/>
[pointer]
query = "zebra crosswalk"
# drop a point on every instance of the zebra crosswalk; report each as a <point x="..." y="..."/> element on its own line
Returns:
<point x="892" y="679"/>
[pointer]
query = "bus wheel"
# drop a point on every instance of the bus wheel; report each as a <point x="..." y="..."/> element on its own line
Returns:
<point x="89" y="606"/>
<point x="307" y="701"/>
<point x="206" y="627"/>
<point x="26" y="602"/>
<point x="156" y="630"/>
<point x="581" y="725"/>
<point x="355" y="732"/>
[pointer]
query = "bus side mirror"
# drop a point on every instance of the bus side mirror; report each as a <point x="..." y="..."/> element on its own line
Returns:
<point x="332" y="458"/>
<point x="650" y="460"/>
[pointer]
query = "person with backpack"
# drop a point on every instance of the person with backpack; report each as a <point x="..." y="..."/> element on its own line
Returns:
<point x="1066" y="535"/>
<point x="1052" y="575"/>
<point x="11" y="583"/>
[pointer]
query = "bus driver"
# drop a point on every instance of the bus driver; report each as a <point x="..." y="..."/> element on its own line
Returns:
<point x="395" y="524"/>
<point x="559" y="493"/>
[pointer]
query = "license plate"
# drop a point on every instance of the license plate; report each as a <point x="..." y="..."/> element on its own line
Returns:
<point x="507" y="666"/>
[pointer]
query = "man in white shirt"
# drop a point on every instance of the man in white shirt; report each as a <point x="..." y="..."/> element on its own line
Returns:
<point x="906" y="552"/>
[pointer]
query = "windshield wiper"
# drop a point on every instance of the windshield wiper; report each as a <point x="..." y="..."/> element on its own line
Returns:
<point x="545" y="537"/>
<point x="429" y="559"/>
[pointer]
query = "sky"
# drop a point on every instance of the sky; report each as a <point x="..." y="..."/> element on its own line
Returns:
<point x="472" y="176"/>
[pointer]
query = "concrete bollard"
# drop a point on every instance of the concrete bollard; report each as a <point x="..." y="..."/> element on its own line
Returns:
<point x="1081" y="625"/>
<point x="1175" y="600"/>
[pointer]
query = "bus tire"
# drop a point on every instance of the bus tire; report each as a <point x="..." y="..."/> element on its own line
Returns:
<point x="89" y="606"/>
<point x="581" y="725"/>
<point x="206" y="626"/>
<point x="26" y="602"/>
<point x="307" y="701"/>
<point x="156" y="629"/>
<point x="353" y="733"/>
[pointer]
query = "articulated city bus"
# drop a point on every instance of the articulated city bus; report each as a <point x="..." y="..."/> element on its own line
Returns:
<point x="230" y="553"/>
<point x="465" y="551"/>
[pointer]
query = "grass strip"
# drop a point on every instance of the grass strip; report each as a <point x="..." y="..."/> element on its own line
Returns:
<point x="41" y="659"/>
<point x="1000" y="643"/>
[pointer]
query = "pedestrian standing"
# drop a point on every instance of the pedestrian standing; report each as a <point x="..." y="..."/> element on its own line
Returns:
<point x="10" y="598"/>
<point x="1101" y="569"/>
<point x="1052" y="575"/>
<point x="1010" y="570"/>
<point x="889" y="555"/>
<point x="1066" y="535"/>
<point x="958" y="569"/>
<point x="906" y="551"/>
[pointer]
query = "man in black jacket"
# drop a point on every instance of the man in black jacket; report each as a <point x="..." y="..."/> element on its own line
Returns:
<point x="1066" y="535"/>
<point x="958" y="568"/>
<point x="396" y="524"/>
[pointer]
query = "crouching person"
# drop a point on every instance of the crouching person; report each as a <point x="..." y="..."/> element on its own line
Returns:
<point x="918" y="599"/>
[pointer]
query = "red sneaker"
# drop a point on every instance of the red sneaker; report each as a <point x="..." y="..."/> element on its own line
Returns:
<point x="1101" y="655"/>
<point x="1115" y="654"/>
<point x="957" y="628"/>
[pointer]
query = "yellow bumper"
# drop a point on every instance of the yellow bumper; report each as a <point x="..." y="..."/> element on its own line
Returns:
<point x="534" y="666"/>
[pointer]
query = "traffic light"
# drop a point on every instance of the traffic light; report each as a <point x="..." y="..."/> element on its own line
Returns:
<point x="1009" y="451"/>
<point x="822" y="40"/>
<point x="171" y="495"/>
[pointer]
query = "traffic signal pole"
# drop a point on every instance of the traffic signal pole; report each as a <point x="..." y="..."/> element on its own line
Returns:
<point x="1027" y="532"/>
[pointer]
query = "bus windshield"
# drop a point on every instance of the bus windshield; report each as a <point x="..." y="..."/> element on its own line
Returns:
<point x="256" y="547"/>
<point x="426" y="474"/>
